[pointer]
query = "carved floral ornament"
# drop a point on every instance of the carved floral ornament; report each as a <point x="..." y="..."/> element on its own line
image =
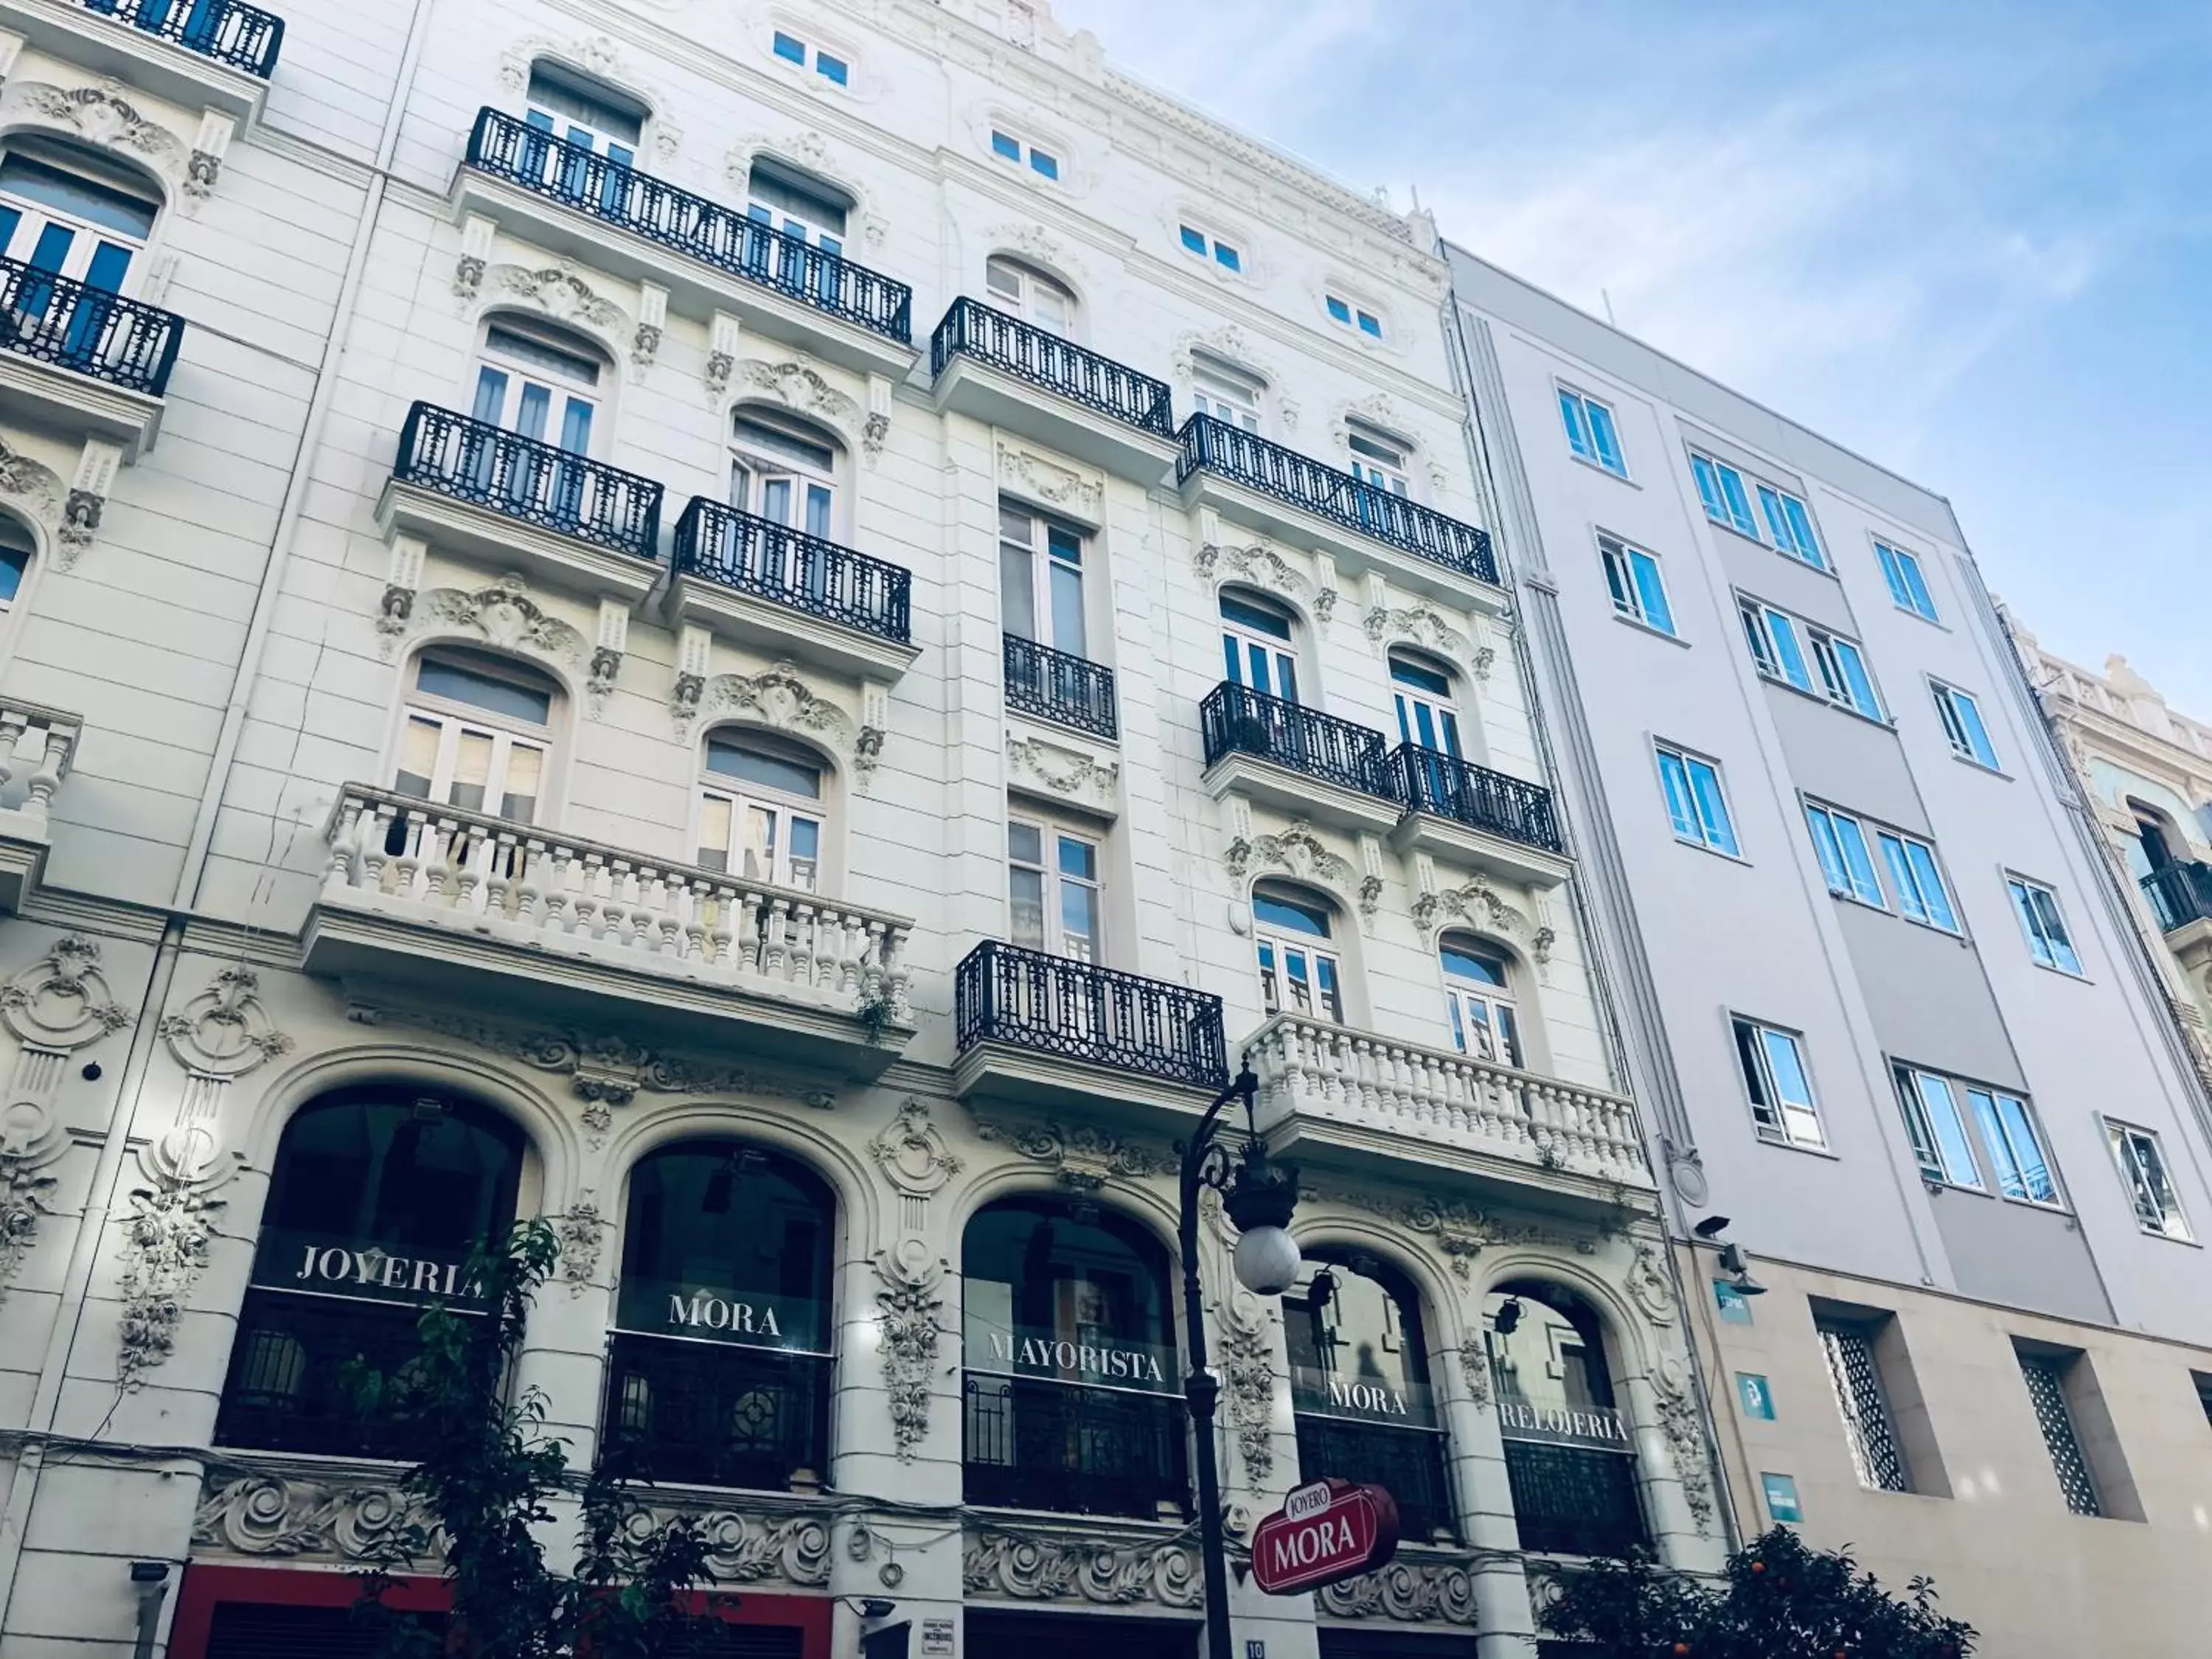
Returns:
<point x="910" y="1308"/>
<point x="1408" y="1592"/>
<point x="62" y="1001"/>
<point x="279" y="1515"/>
<point x="1296" y="852"/>
<point x="801" y="390"/>
<point x="1418" y="625"/>
<point x="1681" y="1423"/>
<point x="1041" y="480"/>
<point x="560" y="291"/>
<point x="1085" y="1156"/>
<point x="103" y="116"/>
<point x="1070" y="1568"/>
<point x="505" y="617"/>
<point x="1063" y="771"/>
<point x="1478" y="905"/>
<point x="224" y="1032"/>
<point x="912" y="1154"/>
<point x="35" y="489"/>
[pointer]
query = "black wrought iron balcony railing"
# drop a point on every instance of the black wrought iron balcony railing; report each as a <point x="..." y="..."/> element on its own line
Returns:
<point x="1242" y="457"/>
<point x="1054" y="685"/>
<point x="1449" y="788"/>
<point x="87" y="330"/>
<point x="971" y="329"/>
<point x="2179" y="894"/>
<point x="716" y="1414"/>
<point x="578" y="177"/>
<point x="1406" y="1463"/>
<point x="241" y="36"/>
<point x="774" y="562"/>
<point x="1058" y="1005"/>
<point x="1570" y="1500"/>
<point x="1234" y="719"/>
<point x="289" y="1387"/>
<point x="1034" y="1444"/>
<point x="538" y="483"/>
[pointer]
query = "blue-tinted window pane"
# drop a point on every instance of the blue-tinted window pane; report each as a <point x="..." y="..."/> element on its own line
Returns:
<point x="1420" y="679"/>
<point x="1607" y="442"/>
<point x="1976" y="734"/>
<point x="1289" y="916"/>
<point x="1931" y="886"/>
<point x="107" y="270"/>
<point x="439" y="678"/>
<point x="1892" y="574"/>
<point x="1338" y="309"/>
<point x="1776" y="525"/>
<point x="1709" y="489"/>
<point x="1576" y="421"/>
<point x="1227" y="256"/>
<point x="1370" y="324"/>
<point x="1954" y="1150"/>
<point x="773" y="771"/>
<point x="1901" y="878"/>
<point x="1712" y="810"/>
<point x="1048" y="166"/>
<point x="1857" y="680"/>
<point x="2031" y="925"/>
<point x="1788" y="1067"/>
<point x="2054" y="930"/>
<point x="77" y="196"/>
<point x="1789" y="653"/>
<point x="1009" y="148"/>
<point x="1254" y="616"/>
<point x="1739" y="505"/>
<point x="792" y="50"/>
<point x="13" y="562"/>
<point x="1800" y="530"/>
<point x="1194" y="241"/>
<point x="833" y="69"/>
<point x="1651" y="593"/>
<point x="1830" y="851"/>
<point x="1857" y="861"/>
<point x="1680" y="808"/>
<point x="1477" y="965"/>
<point x="2010" y="1181"/>
<point x="2027" y="1149"/>
<point x="1917" y="585"/>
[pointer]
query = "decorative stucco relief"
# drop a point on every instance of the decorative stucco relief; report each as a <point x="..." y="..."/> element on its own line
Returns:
<point x="1109" y="1573"/>
<point x="293" y="1517"/>
<point x="504" y="616"/>
<point x="780" y="699"/>
<point x="911" y="1309"/>
<point x="753" y="1549"/>
<point x="1682" y="1425"/>
<point x="912" y="1154"/>
<point x="1419" y="625"/>
<point x="1064" y="771"/>
<point x="1085" y="1156"/>
<point x="561" y="292"/>
<point x="103" y="116"/>
<point x="1048" y="481"/>
<point x="599" y="56"/>
<point x="1412" y="1592"/>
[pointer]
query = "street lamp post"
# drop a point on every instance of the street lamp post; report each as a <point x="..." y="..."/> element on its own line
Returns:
<point x="1259" y="1196"/>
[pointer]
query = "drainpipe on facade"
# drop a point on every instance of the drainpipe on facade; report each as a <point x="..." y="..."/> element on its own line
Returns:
<point x="193" y="872"/>
<point x="1674" y="1219"/>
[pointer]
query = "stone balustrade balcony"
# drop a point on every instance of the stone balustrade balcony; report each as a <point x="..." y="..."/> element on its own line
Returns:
<point x="36" y="747"/>
<point x="428" y="901"/>
<point x="1332" y="1086"/>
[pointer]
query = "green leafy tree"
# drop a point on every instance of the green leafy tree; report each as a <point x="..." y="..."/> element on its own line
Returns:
<point x="1781" y="1600"/>
<point x="486" y="1480"/>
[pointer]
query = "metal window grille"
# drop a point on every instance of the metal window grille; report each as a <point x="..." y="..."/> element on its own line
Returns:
<point x="2046" y="1390"/>
<point x="1875" y="1455"/>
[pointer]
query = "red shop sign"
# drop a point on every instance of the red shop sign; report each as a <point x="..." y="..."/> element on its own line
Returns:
<point x="1326" y="1531"/>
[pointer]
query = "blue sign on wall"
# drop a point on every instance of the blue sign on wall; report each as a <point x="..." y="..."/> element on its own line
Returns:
<point x="1755" y="1395"/>
<point x="1781" y="1491"/>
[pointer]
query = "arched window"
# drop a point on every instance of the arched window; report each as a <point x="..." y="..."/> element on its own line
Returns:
<point x="1569" y="1456"/>
<point x="1258" y="645"/>
<point x="378" y="1196"/>
<point x="1301" y="969"/>
<point x="70" y="211"/>
<point x="1428" y="716"/>
<point x="1359" y="1388"/>
<point x="1228" y="393"/>
<point x="478" y="734"/>
<point x="1478" y="1001"/>
<point x="759" y="809"/>
<point x="719" y="1370"/>
<point x="797" y="205"/>
<point x="784" y="471"/>
<point x="1071" y="1380"/>
<point x="1031" y="296"/>
<point x="585" y="113"/>
<point x="16" y="550"/>
<point x="540" y="382"/>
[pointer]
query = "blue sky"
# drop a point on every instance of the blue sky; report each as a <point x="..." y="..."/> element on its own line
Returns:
<point x="1971" y="239"/>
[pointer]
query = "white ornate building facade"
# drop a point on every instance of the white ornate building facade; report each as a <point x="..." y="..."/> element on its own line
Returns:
<point x="586" y="700"/>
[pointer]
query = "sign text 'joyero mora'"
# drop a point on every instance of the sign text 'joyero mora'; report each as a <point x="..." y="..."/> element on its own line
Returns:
<point x="1326" y="1531"/>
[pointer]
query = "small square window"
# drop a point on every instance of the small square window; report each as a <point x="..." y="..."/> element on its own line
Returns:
<point x="1908" y="586"/>
<point x="1632" y="576"/>
<point x="1003" y="145"/>
<point x="2048" y="940"/>
<point x="1370" y="324"/>
<point x="1193" y="239"/>
<point x="2142" y="1171"/>
<point x="1338" y="309"/>
<point x="1962" y="725"/>
<point x="1695" y="803"/>
<point x="1048" y="166"/>
<point x="832" y="68"/>
<point x="1775" y="1079"/>
<point x="790" y="48"/>
<point x="1227" y="256"/>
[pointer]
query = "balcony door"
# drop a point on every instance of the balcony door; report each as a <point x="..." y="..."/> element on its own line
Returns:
<point x="1052" y="889"/>
<point x="782" y="472"/>
<point x="543" y="386"/>
<point x="1228" y="394"/>
<point x="1479" y="1002"/>
<point x="1569" y="1458"/>
<point x="1041" y="585"/>
<point x="1031" y="296"/>
<point x="378" y="1195"/>
<point x="1426" y="715"/>
<point x="1258" y="647"/>
<point x="1072" y="1390"/>
<point x="1300" y="969"/>
<point x="477" y="735"/>
<point x="67" y="213"/>
<point x="719" y="1368"/>
<point x="760" y="811"/>
<point x="590" y="118"/>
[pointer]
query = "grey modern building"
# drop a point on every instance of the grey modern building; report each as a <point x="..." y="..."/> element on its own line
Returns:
<point x="1881" y="1003"/>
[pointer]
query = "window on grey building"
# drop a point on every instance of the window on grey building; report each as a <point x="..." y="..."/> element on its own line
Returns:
<point x="2142" y="1170"/>
<point x="1776" y="1080"/>
<point x="1877" y="1455"/>
<point x="1809" y="658"/>
<point x="2045" y="928"/>
<point x="1937" y="1113"/>
<point x="2046" y="1376"/>
<point x="2203" y="1394"/>
<point x="1632" y="576"/>
<point x="1697" y="806"/>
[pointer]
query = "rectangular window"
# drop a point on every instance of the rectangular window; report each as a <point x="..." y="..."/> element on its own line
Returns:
<point x="790" y="48"/>
<point x="1339" y="310"/>
<point x="1052" y="889"/>
<point x="1695" y="802"/>
<point x="1193" y="240"/>
<point x="1913" y="877"/>
<point x="1041" y="581"/>
<point x="1937" y="1129"/>
<point x="1809" y="657"/>
<point x="1227" y="256"/>
<point x="832" y="68"/>
<point x="1840" y="841"/>
<point x="1202" y="245"/>
<point x="1775" y="1079"/>
<point x="1006" y="145"/>
<point x="1868" y="1430"/>
<point x="1370" y="324"/>
<point x="1962" y="725"/>
<point x="1591" y="433"/>
<point x="2048" y="942"/>
<point x="1720" y="487"/>
<point x="2143" y="1172"/>
<point x="1790" y="525"/>
<point x="2015" y="1146"/>
<point x="1045" y="165"/>
<point x="1907" y="585"/>
<point x="2045" y="1377"/>
<point x="1631" y="575"/>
